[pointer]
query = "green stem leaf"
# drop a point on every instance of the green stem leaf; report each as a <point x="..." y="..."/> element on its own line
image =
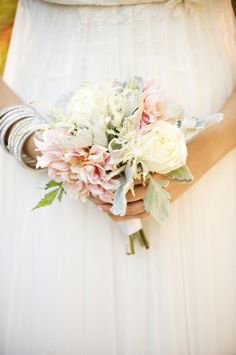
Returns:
<point x="48" y="199"/>
<point x="52" y="183"/>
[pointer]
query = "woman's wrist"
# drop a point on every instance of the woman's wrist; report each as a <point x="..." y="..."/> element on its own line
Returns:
<point x="30" y="148"/>
<point x="8" y="98"/>
<point x="207" y="148"/>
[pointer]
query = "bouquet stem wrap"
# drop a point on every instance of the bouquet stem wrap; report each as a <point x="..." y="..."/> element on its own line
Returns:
<point x="133" y="229"/>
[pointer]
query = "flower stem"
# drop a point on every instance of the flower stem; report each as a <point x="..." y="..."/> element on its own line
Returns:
<point x="130" y="245"/>
<point x="142" y="239"/>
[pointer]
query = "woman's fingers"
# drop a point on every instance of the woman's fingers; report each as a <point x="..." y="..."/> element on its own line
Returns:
<point x="127" y="218"/>
<point x="139" y="193"/>
<point x="96" y="201"/>
<point x="133" y="208"/>
<point x="138" y="182"/>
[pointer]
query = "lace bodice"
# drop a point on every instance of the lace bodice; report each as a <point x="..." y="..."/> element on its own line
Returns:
<point x="123" y="2"/>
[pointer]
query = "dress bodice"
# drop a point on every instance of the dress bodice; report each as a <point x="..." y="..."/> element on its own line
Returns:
<point x="121" y="2"/>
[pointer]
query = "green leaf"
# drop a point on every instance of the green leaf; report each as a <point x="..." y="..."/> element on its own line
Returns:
<point x="115" y="144"/>
<point x="52" y="183"/>
<point x="60" y="195"/>
<point x="48" y="199"/>
<point x="181" y="174"/>
<point x="156" y="201"/>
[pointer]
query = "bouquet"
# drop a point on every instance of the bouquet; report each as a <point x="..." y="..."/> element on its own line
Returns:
<point x="102" y="138"/>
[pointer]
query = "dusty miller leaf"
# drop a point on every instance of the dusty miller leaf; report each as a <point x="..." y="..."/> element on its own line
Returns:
<point x="156" y="201"/>
<point x="181" y="174"/>
<point x="120" y="202"/>
<point x="192" y="126"/>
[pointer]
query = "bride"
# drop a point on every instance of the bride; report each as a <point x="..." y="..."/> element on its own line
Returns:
<point x="67" y="287"/>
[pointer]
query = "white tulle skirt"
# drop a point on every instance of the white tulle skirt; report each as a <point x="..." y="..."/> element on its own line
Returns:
<point x="67" y="286"/>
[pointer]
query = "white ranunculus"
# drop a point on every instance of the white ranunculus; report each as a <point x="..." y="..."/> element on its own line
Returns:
<point x="99" y="128"/>
<point x="88" y="107"/>
<point x="88" y="102"/>
<point x="162" y="149"/>
<point x="83" y="139"/>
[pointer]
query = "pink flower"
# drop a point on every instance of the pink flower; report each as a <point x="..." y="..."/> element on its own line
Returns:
<point x="93" y="172"/>
<point x="51" y="152"/>
<point x="105" y="190"/>
<point x="83" y="171"/>
<point x="154" y="103"/>
<point x="76" y="190"/>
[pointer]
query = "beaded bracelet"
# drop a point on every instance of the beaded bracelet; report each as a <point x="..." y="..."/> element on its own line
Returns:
<point x="7" y="123"/>
<point x="19" y="142"/>
<point x="24" y="121"/>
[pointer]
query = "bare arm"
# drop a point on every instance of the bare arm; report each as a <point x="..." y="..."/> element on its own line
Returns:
<point x="8" y="97"/>
<point x="206" y="149"/>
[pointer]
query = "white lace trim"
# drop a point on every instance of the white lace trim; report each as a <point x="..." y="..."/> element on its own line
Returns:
<point x="188" y="4"/>
<point x="98" y="15"/>
<point x="116" y="2"/>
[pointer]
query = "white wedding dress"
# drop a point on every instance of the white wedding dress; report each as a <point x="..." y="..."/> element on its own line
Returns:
<point x="66" y="285"/>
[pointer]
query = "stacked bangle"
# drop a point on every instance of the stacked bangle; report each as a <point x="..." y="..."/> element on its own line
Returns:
<point x="25" y="122"/>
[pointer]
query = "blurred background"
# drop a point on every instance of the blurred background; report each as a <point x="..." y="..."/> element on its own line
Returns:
<point x="7" y="14"/>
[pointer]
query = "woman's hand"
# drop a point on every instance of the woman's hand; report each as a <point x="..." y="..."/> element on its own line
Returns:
<point x="135" y="205"/>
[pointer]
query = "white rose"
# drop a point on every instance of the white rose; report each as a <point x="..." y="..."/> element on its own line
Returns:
<point x="99" y="128"/>
<point x="88" y="107"/>
<point x="162" y="149"/>
<point x="88" y="103"/>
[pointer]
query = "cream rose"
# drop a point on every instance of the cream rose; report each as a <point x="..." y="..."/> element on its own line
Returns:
<point x="163" y="148"/>
<point x="88" y="107"/>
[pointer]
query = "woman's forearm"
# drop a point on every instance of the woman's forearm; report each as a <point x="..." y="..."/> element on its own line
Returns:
<point x="206" y="149"/>
<point x="9" y="97"/>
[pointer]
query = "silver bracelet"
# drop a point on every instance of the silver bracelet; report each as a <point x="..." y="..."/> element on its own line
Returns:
<point x="25" y="121"/>
<point x="16" y="114"/>
<point x="9" y="116"/>
<point x="20" y="157"/>
<point x="15" y="109"/>
<point x="17" y="131"/>
<point x="14" y="118"/>
<point x="7" y="109"/>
